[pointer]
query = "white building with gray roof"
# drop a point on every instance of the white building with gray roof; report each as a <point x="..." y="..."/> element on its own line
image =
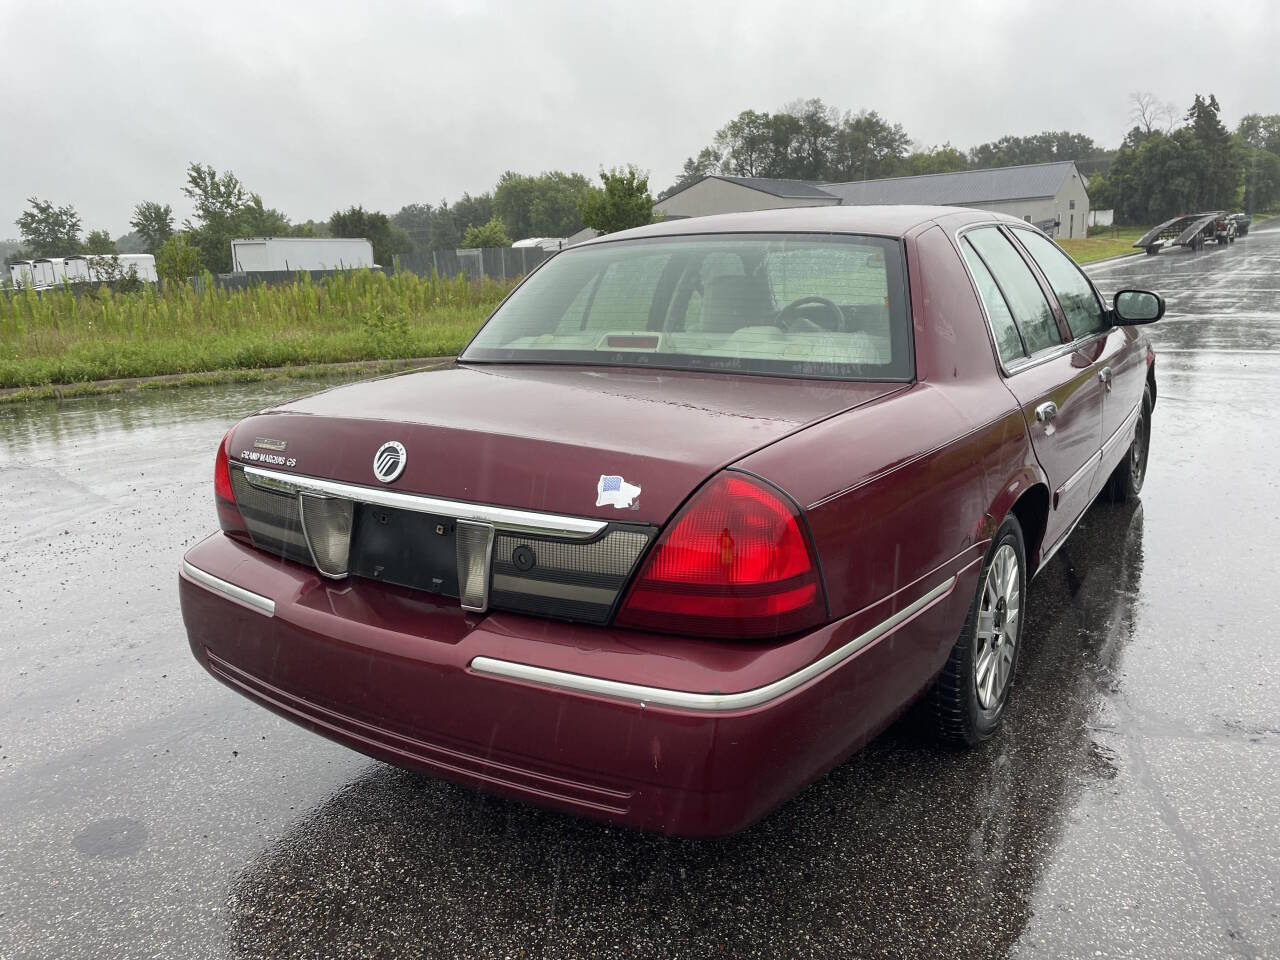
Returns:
<point x="1053" y="196"/>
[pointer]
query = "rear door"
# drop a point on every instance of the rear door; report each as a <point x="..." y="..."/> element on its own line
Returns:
<point x="1056" y="386"/>
<point x="1119" y="362"/>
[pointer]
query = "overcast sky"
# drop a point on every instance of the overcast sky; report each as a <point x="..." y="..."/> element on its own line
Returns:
<point x="318" y="106"/>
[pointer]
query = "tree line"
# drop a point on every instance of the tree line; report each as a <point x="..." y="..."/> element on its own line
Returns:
<point x="1168" y="163"/>
<point x="1163" y="169"/>
<point x="551" y="204"/>
<point x="810" y="140"/>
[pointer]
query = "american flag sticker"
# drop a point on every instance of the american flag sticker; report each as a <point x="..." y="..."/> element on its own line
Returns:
<point x="613" y="491"/>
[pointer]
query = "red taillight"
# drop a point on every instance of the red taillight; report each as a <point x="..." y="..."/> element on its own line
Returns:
<point x="224" y="497"/>
<point x="736" y="562"/>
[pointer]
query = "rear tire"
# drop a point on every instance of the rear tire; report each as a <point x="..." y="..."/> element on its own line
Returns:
<point x="969" y="696"/>
<point x="1125" y="482"/>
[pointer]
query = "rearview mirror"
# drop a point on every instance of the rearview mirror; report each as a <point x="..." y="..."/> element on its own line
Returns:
<point x="1137" y="306"/>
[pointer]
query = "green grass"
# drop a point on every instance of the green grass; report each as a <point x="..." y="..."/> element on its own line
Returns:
<point x="59" y="337"/>
<point x="336" y="372"/>
<point x="1103" y="243"/>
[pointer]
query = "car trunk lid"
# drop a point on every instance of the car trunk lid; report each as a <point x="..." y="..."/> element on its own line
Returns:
<point x="542" y="437"/>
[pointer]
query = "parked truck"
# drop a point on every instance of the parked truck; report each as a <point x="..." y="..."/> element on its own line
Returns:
<point x="291" y="254"/>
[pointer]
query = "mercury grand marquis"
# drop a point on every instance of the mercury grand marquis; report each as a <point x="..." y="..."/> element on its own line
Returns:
<point x="699" y="511"/>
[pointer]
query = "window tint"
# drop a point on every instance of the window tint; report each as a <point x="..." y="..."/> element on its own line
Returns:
<point x="1075" y="293"/>
<point x="1008" y="343"/>
<point x="1030" y="309"/>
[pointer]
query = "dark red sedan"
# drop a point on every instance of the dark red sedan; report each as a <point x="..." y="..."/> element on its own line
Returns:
<point x="701" y="509"/>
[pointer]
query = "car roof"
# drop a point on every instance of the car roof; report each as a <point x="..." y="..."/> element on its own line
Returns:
<point x="883" y="221"/>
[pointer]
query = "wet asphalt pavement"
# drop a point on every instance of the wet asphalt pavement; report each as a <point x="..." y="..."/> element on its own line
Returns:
<point x="1128" y="809"/>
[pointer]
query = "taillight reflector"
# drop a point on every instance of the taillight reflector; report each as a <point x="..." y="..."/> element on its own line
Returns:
<point x="736" y="562"/>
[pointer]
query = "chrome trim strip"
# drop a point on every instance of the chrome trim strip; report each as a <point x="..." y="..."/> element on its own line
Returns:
<point x="256" y="601"/>
<point x="710" y="702"/>
<point x="1079" y="475"/>
<point x="1120" y="432"/>
<point x="504" y="518"/>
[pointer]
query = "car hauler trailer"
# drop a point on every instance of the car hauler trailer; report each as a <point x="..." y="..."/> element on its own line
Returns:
<point x="1192" y="230"/>
<point x="291" y="254"/>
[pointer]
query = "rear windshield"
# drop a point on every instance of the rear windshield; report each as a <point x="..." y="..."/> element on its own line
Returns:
<point x="786" y="304"/>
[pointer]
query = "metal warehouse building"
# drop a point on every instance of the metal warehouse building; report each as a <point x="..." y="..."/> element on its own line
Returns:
<point x="1050" y="195"/>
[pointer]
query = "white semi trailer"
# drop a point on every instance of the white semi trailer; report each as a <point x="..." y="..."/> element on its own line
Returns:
<point x="271" y="254"/>
<point x="83" y="268"/>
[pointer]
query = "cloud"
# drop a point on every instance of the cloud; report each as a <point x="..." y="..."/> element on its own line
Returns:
<point x="320" y="105"/>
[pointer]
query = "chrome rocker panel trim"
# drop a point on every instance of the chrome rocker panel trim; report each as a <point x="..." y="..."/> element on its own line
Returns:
<point x="1124" y="432"/>
<point x="504" y="518"/>
<point x="255" y="601"/>
<point x="709" y="702"/>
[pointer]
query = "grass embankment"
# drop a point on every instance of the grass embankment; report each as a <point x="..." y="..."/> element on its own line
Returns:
<point x="59" y="337"/>
<point x="1103" y="243"/>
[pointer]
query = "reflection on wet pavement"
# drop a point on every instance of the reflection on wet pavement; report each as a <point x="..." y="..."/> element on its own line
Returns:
<point x="1127" y="809"/>
<point x="905" y="843"/>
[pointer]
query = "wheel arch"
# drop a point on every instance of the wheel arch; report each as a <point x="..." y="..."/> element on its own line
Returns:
<point x="1026" y="497"/>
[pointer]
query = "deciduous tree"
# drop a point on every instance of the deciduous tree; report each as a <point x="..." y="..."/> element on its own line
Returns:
<point x="705" y="164"/>
<point x="943" y="159"/>
<point x="415" y="220"/>
<point x="153" y="222"/>
<point x="490" y="234"/>
<point x="1261" y="131"/>
<point x="867" y="147"/>
<point x="545" y="205"/>
<point x="99" y="243"/>
<point x="622" y="203"/>
<point x="178" y="259"/>
<point x="376" y="227"/>
<point x="49" y="231"/>
<point x="1149" y="113"/>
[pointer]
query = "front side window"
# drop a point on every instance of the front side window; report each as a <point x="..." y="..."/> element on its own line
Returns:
<point x="789" y="304"/>
<point x="1031" y="311"/>
<point x="1074" y="292"/>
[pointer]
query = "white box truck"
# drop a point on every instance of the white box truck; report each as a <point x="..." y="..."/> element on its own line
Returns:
<point x="270" y="254"/>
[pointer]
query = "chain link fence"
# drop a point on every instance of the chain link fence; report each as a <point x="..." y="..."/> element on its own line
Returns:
<point x="494" y="263"/>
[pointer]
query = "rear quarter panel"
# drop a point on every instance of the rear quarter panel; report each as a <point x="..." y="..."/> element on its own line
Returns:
<point x="909" y="489"/>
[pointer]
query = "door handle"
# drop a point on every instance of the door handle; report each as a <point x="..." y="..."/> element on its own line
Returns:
<point x="1104" y="375"/>
<point x="1046" y="411"/>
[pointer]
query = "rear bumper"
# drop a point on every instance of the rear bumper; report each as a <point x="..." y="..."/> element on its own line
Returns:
<point x="682" y="736"/>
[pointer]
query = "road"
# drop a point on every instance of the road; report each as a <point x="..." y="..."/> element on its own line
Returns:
<point x="1128" y="809"/>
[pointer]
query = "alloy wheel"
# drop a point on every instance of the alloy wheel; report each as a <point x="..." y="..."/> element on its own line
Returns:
<point x="1138" y="451"/>
<point x="999" y="619"/>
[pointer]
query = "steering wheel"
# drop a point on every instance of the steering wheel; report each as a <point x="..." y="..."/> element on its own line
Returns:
<point x="795" y="310"/>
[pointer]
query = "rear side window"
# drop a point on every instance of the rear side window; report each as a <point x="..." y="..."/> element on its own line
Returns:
<point x="1021" y="291"/>
<point x="1008" y="342"/>
<point x="1074" y="292"/>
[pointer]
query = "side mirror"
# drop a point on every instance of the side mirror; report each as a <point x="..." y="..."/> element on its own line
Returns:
<point x="1137" y="306"/>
